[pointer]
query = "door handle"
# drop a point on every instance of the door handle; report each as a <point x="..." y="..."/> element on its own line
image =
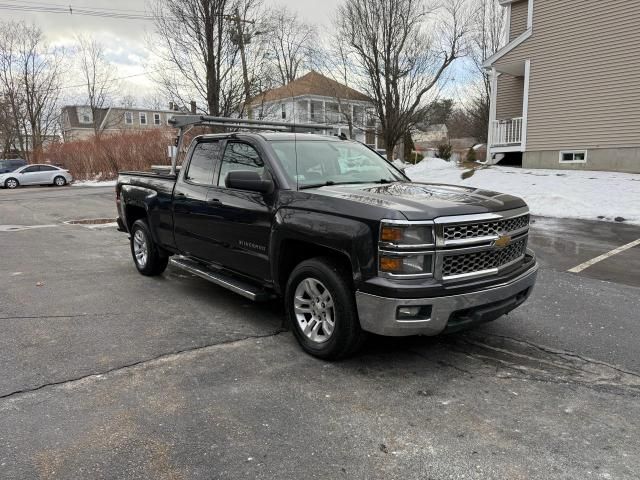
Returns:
<point x="215" y="201"/>
<point x="180" y="195"/>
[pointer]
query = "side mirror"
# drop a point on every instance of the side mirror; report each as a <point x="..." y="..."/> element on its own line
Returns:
<point x="248" y="180"/>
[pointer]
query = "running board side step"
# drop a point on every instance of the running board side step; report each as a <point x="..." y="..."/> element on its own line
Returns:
<point x="240" y="287"/>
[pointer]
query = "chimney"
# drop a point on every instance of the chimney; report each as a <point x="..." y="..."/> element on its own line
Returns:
<point x="193" y="107"/>
<point x="171" y="106"/>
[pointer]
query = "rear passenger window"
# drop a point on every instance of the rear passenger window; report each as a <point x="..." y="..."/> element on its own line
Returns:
<point x="47" y="168"/>
<point x="203" y="162"/>
<point x="239" y="156"/>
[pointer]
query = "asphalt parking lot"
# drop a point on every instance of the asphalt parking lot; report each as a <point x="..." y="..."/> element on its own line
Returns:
<point x="108" y="374"/>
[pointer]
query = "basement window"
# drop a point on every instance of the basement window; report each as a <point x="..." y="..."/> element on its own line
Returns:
<point x="573" y="156"/>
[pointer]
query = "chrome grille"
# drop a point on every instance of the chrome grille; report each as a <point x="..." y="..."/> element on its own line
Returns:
<point x="467" y="263"/>
<point x="484" y="229"/>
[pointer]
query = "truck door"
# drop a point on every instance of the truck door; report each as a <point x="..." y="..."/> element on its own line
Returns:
<point x="243" y="219"/>
<point x="192" y="213"/>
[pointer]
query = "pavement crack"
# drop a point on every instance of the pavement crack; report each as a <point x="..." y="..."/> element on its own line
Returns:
<point x="564" y="353"/>
<point x="137" y="363"/>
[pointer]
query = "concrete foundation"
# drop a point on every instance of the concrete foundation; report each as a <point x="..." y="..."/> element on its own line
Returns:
<point x="607" y="159"/>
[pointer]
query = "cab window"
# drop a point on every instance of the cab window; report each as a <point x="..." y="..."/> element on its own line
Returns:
<point x="204" y="160"/>
<point x="239" y="156"/>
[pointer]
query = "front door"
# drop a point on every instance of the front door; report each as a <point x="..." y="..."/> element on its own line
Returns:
<point x="30" y="175"/>
<point x="192" y="212"/>
<point x="243" y="219"/>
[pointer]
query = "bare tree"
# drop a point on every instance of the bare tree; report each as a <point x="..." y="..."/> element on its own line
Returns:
<point x="30" y="78"/>
<point x="7" y="128"/>
<point x="99" y="78"/>
<point x="488" y="37"/>
<point x="401" y="62"/>
<point x="198" y="57"/>
<point x="290" y="43"/>
<point x="333" y="61"/>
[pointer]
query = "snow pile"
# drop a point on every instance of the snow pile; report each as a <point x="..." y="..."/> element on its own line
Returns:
<point x="94" y="183"/>
<point x="587" y="195"/>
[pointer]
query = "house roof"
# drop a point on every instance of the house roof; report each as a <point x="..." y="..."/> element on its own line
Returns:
<point x="312" y="83"/>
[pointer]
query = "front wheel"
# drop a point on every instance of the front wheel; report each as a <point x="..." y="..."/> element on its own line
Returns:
<point x="146" y="255"/>
<point x="321" y="309"/>
<point x="11" y="183"/>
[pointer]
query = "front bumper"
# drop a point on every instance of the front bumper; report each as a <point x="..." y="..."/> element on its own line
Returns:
<point x="380" y="314"/>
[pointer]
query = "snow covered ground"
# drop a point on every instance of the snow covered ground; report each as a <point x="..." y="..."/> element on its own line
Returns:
<point x="94" y="183"/>
<point x="551" y="193"/>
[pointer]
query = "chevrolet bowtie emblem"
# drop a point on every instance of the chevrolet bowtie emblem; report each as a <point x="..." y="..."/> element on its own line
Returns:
<point x="503" y="241"/>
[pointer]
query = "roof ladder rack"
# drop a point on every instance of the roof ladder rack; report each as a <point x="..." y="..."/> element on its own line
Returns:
<point x="185" y="122"/>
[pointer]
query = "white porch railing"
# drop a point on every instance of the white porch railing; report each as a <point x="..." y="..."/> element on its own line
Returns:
<point x="506" y="132"/>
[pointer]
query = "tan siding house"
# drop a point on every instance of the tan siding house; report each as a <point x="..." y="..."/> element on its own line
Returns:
<point x="79" y="122"/>
<point x="565" y="91"/>
<point x="518" y="14"/>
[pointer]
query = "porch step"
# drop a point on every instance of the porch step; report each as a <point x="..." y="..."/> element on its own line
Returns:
<point x="247" y="290"/>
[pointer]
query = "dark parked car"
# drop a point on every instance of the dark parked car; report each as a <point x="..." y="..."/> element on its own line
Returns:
<point x="349" y="242"/>
<point x="9" y="165"/>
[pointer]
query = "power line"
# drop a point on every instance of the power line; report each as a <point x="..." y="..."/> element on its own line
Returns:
<point x="112" y="80"/>
<point x="69" y="5"/>
<point x="70" y="10"/>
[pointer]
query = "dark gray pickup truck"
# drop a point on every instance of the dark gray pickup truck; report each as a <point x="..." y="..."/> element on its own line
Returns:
<point x="349" y="242"/>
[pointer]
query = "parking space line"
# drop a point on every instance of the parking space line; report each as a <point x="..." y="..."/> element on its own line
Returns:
<point x="604" y="256"/>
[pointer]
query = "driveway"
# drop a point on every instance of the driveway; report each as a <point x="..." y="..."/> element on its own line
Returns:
<point x="108" y="374"/>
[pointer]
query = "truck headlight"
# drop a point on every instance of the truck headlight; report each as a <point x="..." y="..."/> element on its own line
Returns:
<point x="406" y="235"/>
<point x="419" y="264"/>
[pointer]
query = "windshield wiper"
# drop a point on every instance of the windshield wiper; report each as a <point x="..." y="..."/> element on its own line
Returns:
<point x="316" y="185"/>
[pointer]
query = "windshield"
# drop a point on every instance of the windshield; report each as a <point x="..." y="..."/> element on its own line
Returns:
<point x="330" y="162"/>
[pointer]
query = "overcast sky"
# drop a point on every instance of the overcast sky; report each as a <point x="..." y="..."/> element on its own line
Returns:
<point x="126" y="40"/>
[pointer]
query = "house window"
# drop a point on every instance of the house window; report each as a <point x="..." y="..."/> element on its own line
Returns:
<point x="283" y="109"/>
<point x="128" y="118"/>
<point x="143" y="118"/>
<point x="84" y="115"/>
<point x="573" y="156"/>
<point x="156" y="119"/>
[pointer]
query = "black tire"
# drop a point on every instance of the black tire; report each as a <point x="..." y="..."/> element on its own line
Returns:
<point x="154" y="261"/>
<point x="9" y="183"/>
<point x="346" y="336"/>
<point x="61" y="184"/>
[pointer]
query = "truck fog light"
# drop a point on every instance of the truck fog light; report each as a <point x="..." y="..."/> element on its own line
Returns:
<point x="421" y="312"/>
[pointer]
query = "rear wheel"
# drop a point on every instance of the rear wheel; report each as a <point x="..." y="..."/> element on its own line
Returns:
<point x="11" y="183"/>
<point x="149" y="260"/>
<point x="321" y="309"/>
<point x="59" y="181"/>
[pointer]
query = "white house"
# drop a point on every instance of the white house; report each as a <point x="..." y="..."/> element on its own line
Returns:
<point x="314" y="98"/>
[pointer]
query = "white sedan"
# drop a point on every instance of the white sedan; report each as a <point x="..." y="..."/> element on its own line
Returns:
<point x="36" y="175"/>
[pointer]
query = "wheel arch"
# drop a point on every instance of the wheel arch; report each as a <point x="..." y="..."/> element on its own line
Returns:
<point x="301" y="235"/>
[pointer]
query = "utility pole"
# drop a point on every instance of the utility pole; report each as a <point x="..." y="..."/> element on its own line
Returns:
<point x="238" y="38"/>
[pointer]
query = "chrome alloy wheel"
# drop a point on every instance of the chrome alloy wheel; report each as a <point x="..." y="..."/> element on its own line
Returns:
<point x="140" y="248"/>
<point x="11" y="183"/>
<point x="60" y="181"/>
<point x="314" y="310"/>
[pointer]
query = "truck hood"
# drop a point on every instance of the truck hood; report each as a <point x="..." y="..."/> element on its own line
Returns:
<point x="424" y="201"/>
